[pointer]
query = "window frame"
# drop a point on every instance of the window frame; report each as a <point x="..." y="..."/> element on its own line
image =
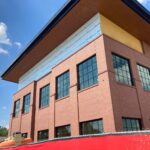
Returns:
<point x="77" y="70"/>
<point x="40" y="97"/>
<point x="138" y="64"/>
<point x="23" y="107"/>
<point x="135" y="119"/>
<point x="14" y="109"/>
<point x="130" y="69"/>
<point x="43" y="138"/>
<point x="56" y="128"/>
<point x="56" y="87"/>
<point x="24" y="134"/>
<point x="91" y="121"/>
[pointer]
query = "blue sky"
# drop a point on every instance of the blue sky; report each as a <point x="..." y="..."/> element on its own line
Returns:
<point x="20" y="21"/>
<point x="145" y="3"/>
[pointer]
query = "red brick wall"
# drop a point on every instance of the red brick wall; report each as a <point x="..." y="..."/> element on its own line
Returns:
<point x="108" y="99"/>
<point x="128" y="101"/>
<point x="24" y="121"/>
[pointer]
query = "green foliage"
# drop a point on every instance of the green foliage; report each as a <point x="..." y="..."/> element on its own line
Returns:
<point x="3" y="132"/>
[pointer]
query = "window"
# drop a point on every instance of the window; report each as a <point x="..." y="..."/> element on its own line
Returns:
<point x="87" y="73"/>
<point x="91" y="127"/>
<point x="122" y="70"/>
<point x="144" y="76"/>
<point x="16" y="108"/>
<point x="62" y="85"/>
<point x="26" y="104"/>
<point x="130" y="124"/>
<point x="63" y="131"/>
<point x="44" y="96"/>
<point x="25" y="135"/>
<point x="16" y="133"/>
<point x="43" y="135"/>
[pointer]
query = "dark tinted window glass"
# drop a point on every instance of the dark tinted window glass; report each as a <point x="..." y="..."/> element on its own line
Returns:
<point x="87" y="73"/>
<point x="91" y="127"/>
<point x="122" y="70"/>
<point x="130" y="124"/>
<point x="63" y="131"/>
<point x="62" y="85"/>
<point x="44" y="96"/>
<point x="16" y="108"/>
<point x="25" y="135"/>
<point x="145" y="77"/>
<point x="43" y="135"/>
<point x="26" y="103"/>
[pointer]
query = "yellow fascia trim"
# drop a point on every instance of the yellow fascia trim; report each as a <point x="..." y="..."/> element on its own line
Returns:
<point x="114" y="31"/>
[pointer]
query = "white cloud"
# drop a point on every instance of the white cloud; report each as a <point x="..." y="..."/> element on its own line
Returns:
<point x="4" y="123"/>
<point x="3" y="34"/>
<point x="144" y="1"/>
<point x="7" y="126"/>
<point x="5" y="40"/>
<point x="4" y="108"/>
<point x="18" y="44"/>
<point x="3" y="51"/>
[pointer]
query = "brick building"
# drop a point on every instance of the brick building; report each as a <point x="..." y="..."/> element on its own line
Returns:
<point x="87" y="72"/>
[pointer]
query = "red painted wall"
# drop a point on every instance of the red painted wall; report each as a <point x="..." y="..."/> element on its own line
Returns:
<point x="111" y="142"/>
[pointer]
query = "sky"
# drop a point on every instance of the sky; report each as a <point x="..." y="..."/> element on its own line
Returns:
<point x="20" y="21"/>
<point x="145" y="3"/>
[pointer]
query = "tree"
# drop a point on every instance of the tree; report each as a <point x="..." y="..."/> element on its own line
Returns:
<point x="3" y="131"/>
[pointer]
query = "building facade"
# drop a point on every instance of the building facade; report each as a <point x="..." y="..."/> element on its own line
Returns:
<point x="91" y="78"/>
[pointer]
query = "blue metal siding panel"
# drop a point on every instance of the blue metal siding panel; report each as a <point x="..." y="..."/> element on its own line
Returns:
<point x="85" y="34"/>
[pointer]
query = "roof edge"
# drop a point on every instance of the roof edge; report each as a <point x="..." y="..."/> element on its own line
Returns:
<point x="42" y="34"/>
<point x="138" y="8"/>
<point x="132" y="4"/>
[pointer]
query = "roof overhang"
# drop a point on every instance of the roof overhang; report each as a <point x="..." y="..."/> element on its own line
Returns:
<point x="128" y="14"/>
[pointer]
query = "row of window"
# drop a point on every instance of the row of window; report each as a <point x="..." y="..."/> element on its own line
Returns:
<point x="26" y="105"/>
<point x="87" y="76"/>
<point x="123" y="72"/>
<point x="88" y="127"/>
